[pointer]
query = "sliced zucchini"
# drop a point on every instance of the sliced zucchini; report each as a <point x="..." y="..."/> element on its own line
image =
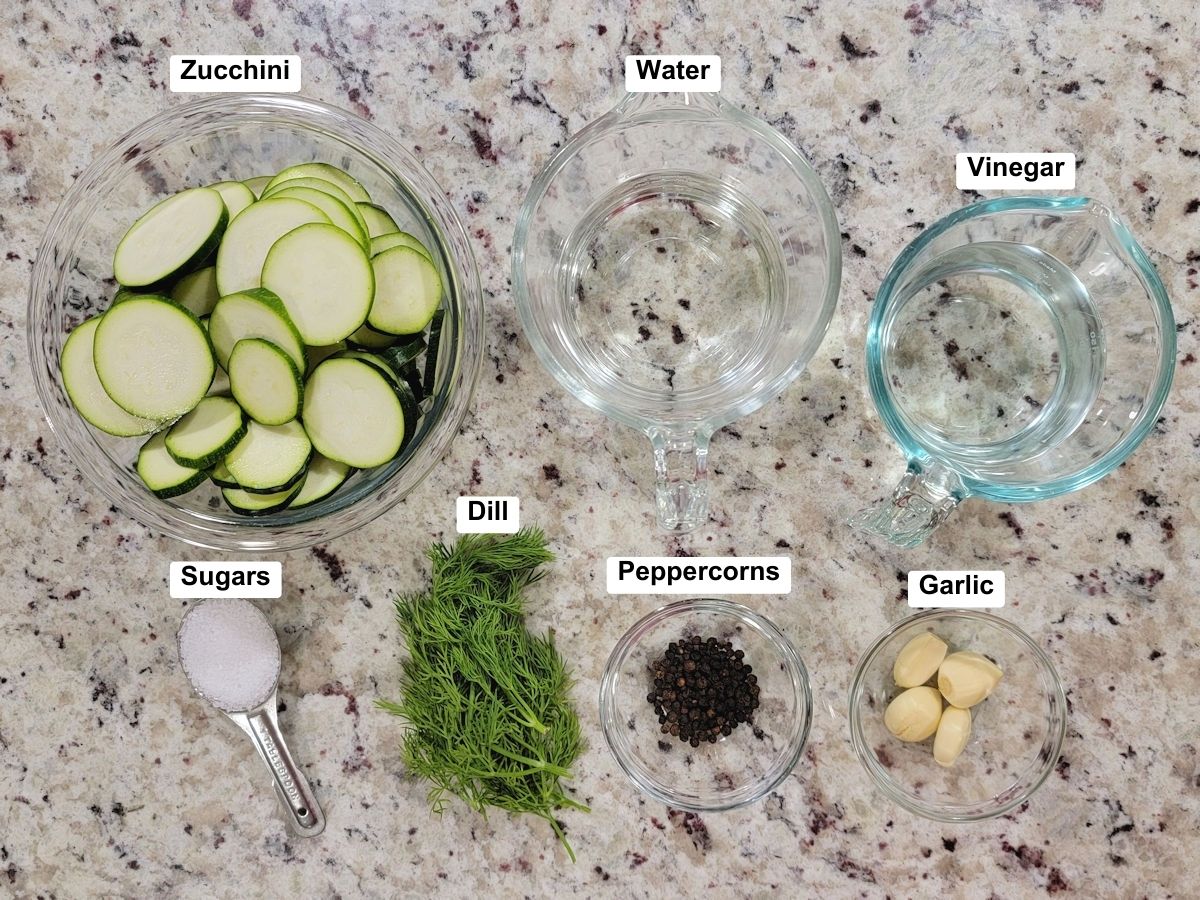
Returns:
<point x="203" y="437"/>
<point x="270" y="457"/>
<point x="410" y="408"/>
<point x="253" y="314"/>
<point x="248" y="504"/>
<point x="236" y="195"/>
<point x="316" y="354"/>
<point x="153" y="357"/>
<point x="324" y="278"/>
<point x="221" y="476"/>
<point x="412" y="377"/>
<point x="250" y="236"/>
<point x="220" y="383"/>
<point x="197" y="292"/>
<point x="398" y="239"/>
<point x="257" y="183"/>
<point x="431" y="352"/>
<point x="265" y="382"/>
<point x="325" y="172"/>
<point x="337" y="211"/>
<point x="368" y="337"/>
<point x="378" y="220"/>
<point x="165" y="477"/>
<point x="353" y="413"/>
<point x="176" y="236"/>
<point x="326" y="187"/>
<point x="126" y="293"/>
<point x="372" y="360"/>
<point x="87" y="393"/>
<point x="323" y="478"/>
<point x="402" y="355"/>
<point x="407" y="291"/>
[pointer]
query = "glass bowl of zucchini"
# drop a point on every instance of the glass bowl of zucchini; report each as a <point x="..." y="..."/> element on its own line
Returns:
<point x="255" y="322"/>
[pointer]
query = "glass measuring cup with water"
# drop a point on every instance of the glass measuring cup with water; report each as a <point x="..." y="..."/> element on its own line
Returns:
<point x="1018" y="349"/>
<point x="675" y="266"/>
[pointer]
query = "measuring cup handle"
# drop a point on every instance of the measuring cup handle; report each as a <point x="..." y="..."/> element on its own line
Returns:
<point x="302" y="811"/>
<point x="681" y="472"/>
<point x="923" y="500"/>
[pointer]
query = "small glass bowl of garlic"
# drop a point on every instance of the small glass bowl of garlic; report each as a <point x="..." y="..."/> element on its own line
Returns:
<point x="911" y="734"/>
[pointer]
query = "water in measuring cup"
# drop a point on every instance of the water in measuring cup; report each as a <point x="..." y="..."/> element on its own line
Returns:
<point x="994" y="354"/>
<point x="675" y="278"/>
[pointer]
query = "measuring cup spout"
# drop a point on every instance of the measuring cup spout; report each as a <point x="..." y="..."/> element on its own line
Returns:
<point x="921" y="502"/>
<point x="681" y="472"/>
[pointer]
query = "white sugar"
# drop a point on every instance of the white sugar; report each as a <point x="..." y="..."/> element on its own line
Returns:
<point x="229" y="653"/>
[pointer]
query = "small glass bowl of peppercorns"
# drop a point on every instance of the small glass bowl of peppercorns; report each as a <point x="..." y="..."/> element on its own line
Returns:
<point x="705" y="705"/>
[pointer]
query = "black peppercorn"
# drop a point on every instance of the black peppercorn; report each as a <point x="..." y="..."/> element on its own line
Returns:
<point x="703" y="689"/>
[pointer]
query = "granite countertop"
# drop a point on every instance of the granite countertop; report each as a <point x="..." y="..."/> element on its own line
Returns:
<point x="115" y="781"/>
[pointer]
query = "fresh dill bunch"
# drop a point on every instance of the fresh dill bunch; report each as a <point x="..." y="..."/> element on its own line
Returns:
<point x="485" y="702"/>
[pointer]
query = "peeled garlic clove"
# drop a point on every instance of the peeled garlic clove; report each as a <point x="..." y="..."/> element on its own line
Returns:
<point x="965" y="678"/>
<point x="919" y="660"/>
<point x="914" y="714"/>
<point x="952" y="733"/>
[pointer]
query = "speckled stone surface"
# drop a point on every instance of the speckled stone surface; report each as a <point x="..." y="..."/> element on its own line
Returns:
<point x="115" y="781"/>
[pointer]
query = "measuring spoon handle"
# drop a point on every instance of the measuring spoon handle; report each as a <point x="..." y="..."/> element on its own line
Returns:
<point x="302" y="810"/>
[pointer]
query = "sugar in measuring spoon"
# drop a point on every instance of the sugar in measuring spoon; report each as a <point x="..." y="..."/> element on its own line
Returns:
<point x="231" y="656"/>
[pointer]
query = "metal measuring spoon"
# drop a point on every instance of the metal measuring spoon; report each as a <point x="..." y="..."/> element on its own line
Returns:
<point x="230" y="654"/>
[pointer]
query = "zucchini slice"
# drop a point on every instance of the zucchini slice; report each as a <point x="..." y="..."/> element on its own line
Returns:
<point x="249" y="237"/>
<point x="153" y="357"/>
<point x="407" y="291"/>
<point x="87" y="393"/>
<point x="323" y="277"/>
<point x="270" y="457"/>
<point x="220" y="383"/>
<point x="325" y="187"/>
<point x="378" y="220"/>
<point x="431" y="352"/>
<point x="248" y="504"/>
<point x="197" y="292"/>
<point x="398" y="239"/>
<point x="176" y="236"/>
<point x="372" y="360"/>
<point x="412" y="378"/>
<point x="236" y="195"/>
<point x="253" y="314"/>
<point x="257" y="183"/>
<point x="325" y="172"/>
<point x="165" y="477"/>
<point x="221" y="477"/>
<point x="315" y="355"/>
<point x="265" y="382"/>
<point x="353" y="413"/>
<point x="402" y="355"/>
<point x="337" y="211"/>
<point x="203" y="437"/>
<point x="370" y="339"/>
<point x="324" y="477"/>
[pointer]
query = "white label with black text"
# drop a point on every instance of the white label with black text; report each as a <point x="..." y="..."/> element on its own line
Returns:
<point x="1014" y="171"/>
<point x="251" y="580"/>
<point x="194" y="74"/>
<point x="488" y="515"/>
<point x="976" y="590"/>
<point x="698" y="74"/>
<point x="699" y="575"/>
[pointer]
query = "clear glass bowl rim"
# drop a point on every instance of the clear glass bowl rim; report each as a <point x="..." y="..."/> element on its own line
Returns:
<point x="787" y="653"/>
<point x="973" y="812"/>
<point x="1124" y="447"/>
<point x="451" y="404"/>
<point x="631" y="110"/>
